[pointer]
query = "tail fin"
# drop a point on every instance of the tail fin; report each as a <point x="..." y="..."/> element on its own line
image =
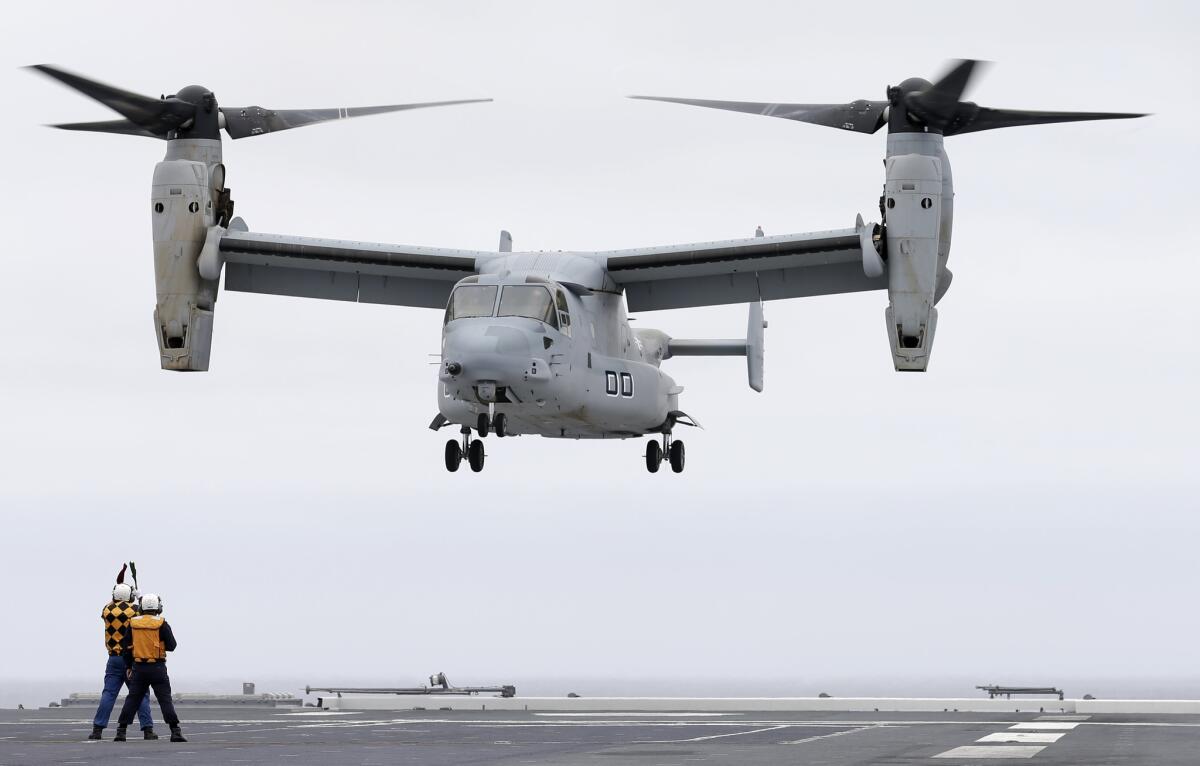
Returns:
<point x="752" y="347"/>
<point x="755" y="346"/>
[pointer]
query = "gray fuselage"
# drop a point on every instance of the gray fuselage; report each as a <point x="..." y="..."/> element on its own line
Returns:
<point x="570" y="366"/>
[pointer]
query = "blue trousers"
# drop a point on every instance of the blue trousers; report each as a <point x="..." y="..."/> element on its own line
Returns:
<point x="114" y="678"/>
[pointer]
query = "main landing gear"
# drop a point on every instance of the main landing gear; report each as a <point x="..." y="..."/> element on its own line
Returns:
<point x="473" y="450"/>
<point x="670" y="448"/>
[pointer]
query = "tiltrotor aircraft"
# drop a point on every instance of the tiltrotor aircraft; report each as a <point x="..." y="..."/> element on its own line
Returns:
<point x="537" y="342"/>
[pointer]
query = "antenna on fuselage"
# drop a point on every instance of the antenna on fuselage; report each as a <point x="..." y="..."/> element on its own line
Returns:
<point x="505" y="241"/>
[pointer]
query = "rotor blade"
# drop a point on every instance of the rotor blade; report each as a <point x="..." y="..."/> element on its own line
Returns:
<point x="255" y="120"/>
<point x="954" y="83"/>
<point x="109" y="126"/>
<point x="974" y="118"/>
<point x="141" y="110"/>
<point x="938" y="105"/>
<point x="859" y="116"/>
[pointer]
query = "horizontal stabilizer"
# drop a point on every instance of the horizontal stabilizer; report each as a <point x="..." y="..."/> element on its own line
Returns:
<point x="752" y="347"/>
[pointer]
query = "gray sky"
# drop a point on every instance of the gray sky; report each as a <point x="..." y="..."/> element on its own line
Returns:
<point x="1025" y="511"/>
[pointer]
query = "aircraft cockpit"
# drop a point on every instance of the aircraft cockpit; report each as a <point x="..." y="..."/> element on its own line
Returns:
<point x="536" y="299"/>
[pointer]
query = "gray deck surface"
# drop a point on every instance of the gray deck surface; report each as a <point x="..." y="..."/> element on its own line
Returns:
<point x="249" y="736"/>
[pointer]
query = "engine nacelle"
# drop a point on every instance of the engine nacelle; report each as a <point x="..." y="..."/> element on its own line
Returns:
<point x="182" y="211"/>
<point x="913" y="202"/>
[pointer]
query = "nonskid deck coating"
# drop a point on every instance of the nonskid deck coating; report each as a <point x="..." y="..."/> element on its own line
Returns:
<point x="236" y="735"/>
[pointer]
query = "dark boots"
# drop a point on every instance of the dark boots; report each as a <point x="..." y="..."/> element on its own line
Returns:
<point x="97" y="732"/>
<point x="148" y="733"/>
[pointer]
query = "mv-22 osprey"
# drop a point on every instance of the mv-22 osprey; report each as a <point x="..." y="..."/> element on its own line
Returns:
<point x="536" y="342"/>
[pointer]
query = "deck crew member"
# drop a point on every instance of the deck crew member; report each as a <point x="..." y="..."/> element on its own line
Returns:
<point x="116" y="615"/>
<point x="144" y="650"/>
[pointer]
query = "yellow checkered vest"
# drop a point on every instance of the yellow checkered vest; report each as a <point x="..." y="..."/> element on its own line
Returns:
<point x="116" y="616"/>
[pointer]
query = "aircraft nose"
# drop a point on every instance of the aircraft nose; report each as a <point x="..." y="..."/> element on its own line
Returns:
<point x="485" y="350"/>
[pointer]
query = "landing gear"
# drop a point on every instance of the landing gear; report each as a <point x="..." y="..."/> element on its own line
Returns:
<point x="653" y="456"/>
<point x="472" y="450"/>
<point x="475" y="456"/>
<point x="677" y="457"/>
<point x="670" y="448"/>
<point x="454" y="455"/>
<point x="492" y="421"/>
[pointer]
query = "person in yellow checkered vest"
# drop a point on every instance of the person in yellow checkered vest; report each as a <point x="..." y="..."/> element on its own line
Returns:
<point x="116" y="616"/>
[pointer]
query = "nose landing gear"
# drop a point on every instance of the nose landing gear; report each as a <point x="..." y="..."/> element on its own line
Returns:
<point x="473" y="450"/>
<point x="492" y="421"/>
<point x="671" y="448"/>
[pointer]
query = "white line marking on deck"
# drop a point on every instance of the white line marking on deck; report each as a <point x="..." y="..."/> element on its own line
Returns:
<point x="712" y="736"/>
<point x="993" y="751"/>
<point x="1044" y="726"/>
<point x="1044" y="737"/>
<point x="827" y="736"/>
<point x="634" y="714"/>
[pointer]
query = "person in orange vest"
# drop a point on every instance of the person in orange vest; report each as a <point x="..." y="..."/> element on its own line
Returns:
<point x="116" y="615"/>
<point x="144" y="649"/>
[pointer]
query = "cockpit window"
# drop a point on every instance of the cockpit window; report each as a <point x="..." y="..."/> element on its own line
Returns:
<point x="471" y="301"/>
<point x="531" y="301"/>
<point x="564" y="313"/>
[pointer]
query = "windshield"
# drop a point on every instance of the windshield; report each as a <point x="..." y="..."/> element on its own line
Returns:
<point x="531" y="301"/>
<point x="471" y="301"/>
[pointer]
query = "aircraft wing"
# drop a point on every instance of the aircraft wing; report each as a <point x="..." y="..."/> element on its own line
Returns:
<point x="742" y="270"/>
<point x="367" y="272"/>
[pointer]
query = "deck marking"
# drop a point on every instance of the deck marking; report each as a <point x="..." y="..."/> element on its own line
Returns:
<point x="834" y="734"/>
<point x="1044" y="726"/>
<point x="993" y="751"/>
<point x="1044" y="737"/>
<point x="634" y="714"/>
<point x="712" y="736"/>
<point x="1062" y="718"/>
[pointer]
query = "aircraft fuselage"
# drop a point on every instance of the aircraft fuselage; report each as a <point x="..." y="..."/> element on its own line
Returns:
<point x="545" y="340"/>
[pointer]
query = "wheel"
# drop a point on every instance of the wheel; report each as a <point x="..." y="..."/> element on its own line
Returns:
<point x="453" y="455"/>
<point x="653" y="456"/>
<point x="677" y="456"/>
<point x="482" y="424"/>
<point x="500" y="424"/>
<point x="475" y="456"/>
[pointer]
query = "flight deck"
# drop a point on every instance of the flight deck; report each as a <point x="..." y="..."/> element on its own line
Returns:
<point x="611" y="738"/>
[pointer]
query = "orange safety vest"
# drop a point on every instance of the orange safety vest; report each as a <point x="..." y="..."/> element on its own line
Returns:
<point x="147" y="644"/>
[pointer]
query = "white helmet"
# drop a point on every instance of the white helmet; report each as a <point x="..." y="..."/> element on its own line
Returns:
<point x="123" y="592"/>
<point x="150" y="604"/>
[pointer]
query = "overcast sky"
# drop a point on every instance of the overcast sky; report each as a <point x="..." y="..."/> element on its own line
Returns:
<point x="1024" y="512"/>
